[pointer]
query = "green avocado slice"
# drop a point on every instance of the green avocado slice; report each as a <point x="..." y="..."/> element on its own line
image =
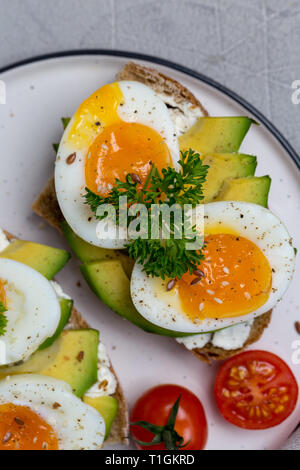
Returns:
<point x="252" y="189"/>
<point x="216" y="134"/>
<point x="66" y="306"/>
<point x="223" y="166"/>
<point x="44" y="259"/>
<point x="107" y="406"/>
<point x="109" y="282"/>
<point x="73" y="357"/>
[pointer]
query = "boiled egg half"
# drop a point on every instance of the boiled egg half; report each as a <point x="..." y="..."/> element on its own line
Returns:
<point x="122" y="128"/>
<point x="32" y="310"/>
<point x="42" y="413"/>
<point x="249" y="263"/>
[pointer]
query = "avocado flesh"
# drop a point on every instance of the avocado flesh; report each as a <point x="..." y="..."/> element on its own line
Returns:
<point x="44" y="259"/>
<point x="253" y="189"/>
<point x="216" y="134"/>
<point x="87" y="252"/>
<point x="222" y="167"/>
<point x="109" y="282"/>
<point x="83" y="250"/>
<point x="73" y="357"/>
<point x="66" y="306"/>
<point x="105" y="405"/>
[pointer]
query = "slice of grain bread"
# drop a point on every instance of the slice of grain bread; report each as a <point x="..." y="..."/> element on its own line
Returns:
<point x="183" y="102"/>
<point x="184" y="107"/>
<point x="120" y="429"/>
<point x="209" y="352"/>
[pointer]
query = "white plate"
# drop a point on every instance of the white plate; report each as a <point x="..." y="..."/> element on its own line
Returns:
<point x="38" y="94"/>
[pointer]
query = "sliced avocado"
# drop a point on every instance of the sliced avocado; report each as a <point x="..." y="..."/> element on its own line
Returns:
<point x="223" y="166"/>
<point x="216" y="134"/>
<point x="83" y="250"/>
<point x="87" y="252"/>
<point x="73" y="357"/>
<point x="253" y="189"/>
<point x="109" y="282"/>
<point x="66" y="306"/>
<point x="107" y="407"/>
<point x="127" y="263"/>
<point x="44" y="259"/>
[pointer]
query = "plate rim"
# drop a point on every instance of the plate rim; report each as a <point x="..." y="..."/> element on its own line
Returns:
<point x="152" y="59"/>
<point x="172" y="65"/>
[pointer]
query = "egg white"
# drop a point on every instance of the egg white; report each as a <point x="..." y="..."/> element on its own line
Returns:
<point x="77" y="425"/>
<point x="251" y="221"/>
<point x="141" y="105"/>
<point x="33" y="310"/>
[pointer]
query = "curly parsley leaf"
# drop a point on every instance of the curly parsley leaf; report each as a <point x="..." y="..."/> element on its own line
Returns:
<point x="160" y="257"/>
<point x="3" y="319"/>
<point x="65" y="121"/>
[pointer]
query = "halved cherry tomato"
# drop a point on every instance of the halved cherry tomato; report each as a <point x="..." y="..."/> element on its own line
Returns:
<point x="256" y="390"/>
<point x="155" y="407"/>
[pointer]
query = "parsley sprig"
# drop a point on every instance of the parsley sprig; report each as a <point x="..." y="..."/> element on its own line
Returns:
<point x="161" y="257"/>
<point x="3" y="319"/>
<point x="65" y="121"/>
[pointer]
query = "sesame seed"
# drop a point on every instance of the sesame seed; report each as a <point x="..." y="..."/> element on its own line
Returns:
<point x="201" y="306"/>
<point x="226" y="270"/>
<point x="247" y="295"/>
<point x="219" y="301"/>
<point x="225" y="283"/>
<point x="210" y="292"/>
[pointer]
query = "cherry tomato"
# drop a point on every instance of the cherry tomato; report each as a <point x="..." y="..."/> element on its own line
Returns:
<point x="256" y="390"/>
<point x="155" y="407"/>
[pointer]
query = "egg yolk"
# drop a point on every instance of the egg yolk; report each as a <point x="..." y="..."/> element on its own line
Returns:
<point x="124" y="148"/>
<point x="94" y="114"/>
<point x="3" y="292"/>
<point x="235" y="279"/>
<point x="22" y="429"/>
<point x="113" y="148"/>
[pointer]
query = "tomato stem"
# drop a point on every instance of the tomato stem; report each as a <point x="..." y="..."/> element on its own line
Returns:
<point x="164" y="434"/>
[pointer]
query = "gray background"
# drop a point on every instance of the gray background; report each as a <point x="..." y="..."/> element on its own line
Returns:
<point x="252" y="46"/>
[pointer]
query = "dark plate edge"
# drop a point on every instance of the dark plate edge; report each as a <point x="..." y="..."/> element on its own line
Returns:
<point x="157" y="60"/>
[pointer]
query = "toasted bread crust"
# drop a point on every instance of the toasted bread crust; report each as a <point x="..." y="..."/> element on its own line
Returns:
<point x="46" y="204"/>
<point x="47" y="207"/>
<point x="209" y="352"/>
<point x="120" y="429"/>
<point x="160" y="83"/>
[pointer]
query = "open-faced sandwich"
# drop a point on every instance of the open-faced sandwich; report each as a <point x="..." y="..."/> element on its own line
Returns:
<point x="58" y="390"/>
<point x="148" y="138"/>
